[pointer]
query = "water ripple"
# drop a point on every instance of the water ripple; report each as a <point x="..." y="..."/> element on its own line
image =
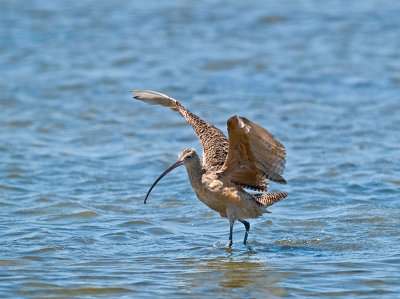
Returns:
<point x="77" y="155"/>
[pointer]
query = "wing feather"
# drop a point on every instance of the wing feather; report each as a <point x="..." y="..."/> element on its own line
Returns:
<point x="254" y="155"/>
<point x="212" y="140"/>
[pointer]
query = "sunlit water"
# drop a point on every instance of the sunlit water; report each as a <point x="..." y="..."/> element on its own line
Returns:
<point x="77" y="155"/>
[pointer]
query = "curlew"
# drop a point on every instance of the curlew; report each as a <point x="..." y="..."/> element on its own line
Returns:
<point x="246" y="160"/>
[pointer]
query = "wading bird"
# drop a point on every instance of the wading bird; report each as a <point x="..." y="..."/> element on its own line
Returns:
<point x="247" y="159"/>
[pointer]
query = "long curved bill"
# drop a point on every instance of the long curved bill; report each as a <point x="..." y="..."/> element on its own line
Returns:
<point x="177" y="164"/>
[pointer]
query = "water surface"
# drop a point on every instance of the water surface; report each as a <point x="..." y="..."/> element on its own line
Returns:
<point x="77" y="155"/>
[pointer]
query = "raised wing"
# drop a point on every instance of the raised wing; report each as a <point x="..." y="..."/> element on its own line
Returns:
<point x="254" y="155"/>
<point x="212" y="140"/>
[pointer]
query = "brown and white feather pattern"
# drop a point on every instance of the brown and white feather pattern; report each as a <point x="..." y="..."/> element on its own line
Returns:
<point x="212" y="140"/>
<point x="269" y="152"/>
<point x="268" y="199"/>
<point x="253" y="155"/>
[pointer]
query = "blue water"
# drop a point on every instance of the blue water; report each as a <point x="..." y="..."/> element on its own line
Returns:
<point x="77" y="154"/>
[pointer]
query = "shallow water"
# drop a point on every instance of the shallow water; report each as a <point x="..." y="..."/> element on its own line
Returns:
<point x="77" y="155"/>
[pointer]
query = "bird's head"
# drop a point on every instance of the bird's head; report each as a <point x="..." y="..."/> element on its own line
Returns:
<point x="186" y="157"/>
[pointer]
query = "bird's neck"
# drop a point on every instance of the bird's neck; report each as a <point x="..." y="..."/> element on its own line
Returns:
<point x="195" y="172"/>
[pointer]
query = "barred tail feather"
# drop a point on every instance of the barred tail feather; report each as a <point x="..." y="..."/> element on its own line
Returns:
<point x="268" y="199"/>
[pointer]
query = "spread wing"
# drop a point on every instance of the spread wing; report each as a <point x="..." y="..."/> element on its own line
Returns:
<point x="212" y="140"/>
<point x="254" y="155"/>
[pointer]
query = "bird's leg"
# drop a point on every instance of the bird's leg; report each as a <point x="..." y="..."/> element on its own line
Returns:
<point x="230" y="242"/>
<point x="247" y="226"/>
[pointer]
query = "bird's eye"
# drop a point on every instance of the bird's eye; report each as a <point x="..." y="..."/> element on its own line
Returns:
<point x="189" y="156"/>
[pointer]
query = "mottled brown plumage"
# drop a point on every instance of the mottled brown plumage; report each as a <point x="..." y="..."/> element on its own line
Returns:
<point x="246" y="160"/>
<point x="213" y="141"/>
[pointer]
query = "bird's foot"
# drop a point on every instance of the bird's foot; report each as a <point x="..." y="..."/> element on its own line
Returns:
<point x="229" y="244"/>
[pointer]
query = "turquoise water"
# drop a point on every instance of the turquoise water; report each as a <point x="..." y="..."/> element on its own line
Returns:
<point x="77" y="154"/>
